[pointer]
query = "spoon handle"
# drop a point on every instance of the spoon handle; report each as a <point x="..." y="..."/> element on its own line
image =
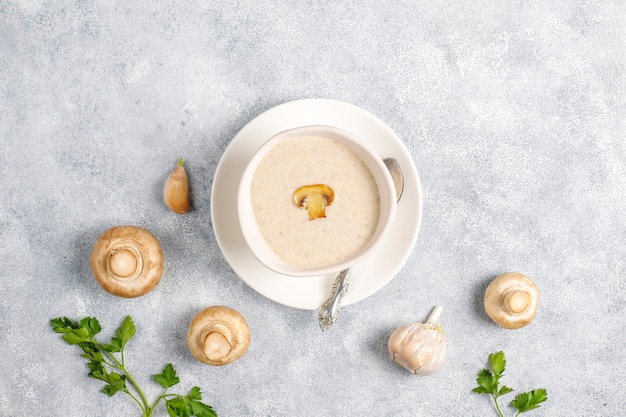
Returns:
<point x="329" y="311"/>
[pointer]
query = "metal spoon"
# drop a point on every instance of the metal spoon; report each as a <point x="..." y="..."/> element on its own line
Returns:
<point x="329" y="311"/>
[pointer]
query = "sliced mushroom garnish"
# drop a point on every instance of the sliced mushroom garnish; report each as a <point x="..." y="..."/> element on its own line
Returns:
<point x="314" y="198"/>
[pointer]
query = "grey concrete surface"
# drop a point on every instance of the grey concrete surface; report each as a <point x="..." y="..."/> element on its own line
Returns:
<point x="513" y="111"/>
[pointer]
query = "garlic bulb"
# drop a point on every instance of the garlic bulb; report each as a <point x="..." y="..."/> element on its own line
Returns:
<point x="419" y="348"/>
<point x="176" y="190"/>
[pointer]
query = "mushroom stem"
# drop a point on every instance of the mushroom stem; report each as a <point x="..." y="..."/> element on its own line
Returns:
<point x="434" y="315"/>
<point x="516" y="301"/>
<point x="217" y="340"/>
<point x="124" y="262"/>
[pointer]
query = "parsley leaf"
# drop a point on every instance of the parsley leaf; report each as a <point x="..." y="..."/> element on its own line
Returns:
<point x="116" y="345"/>
<point x="91" y="325"/>
<point x="110" y="390"/>
<point x="105" y="362"/>
<point x="167" y="378"/>
<point x="76" y="336"/>
<point x="190" y="405"/>
<point x="63" y="325"/>
<point x="488" y="381"/>
<point x="195" y="394"/>
<point x="498" y="363"/>
<point x="530" y="400"/>
<point x="126" y="331"/>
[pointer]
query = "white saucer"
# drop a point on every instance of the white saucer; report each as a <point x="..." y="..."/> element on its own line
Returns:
<point x="311" y="292"/>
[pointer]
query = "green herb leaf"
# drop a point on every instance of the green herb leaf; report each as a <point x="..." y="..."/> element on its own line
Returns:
<point x="76" y="336"/>
<point x="117" y="380"/>
<point x="487" y="383"/>
<point x="97" y="371"/>
<point x="63" y="325"/>
<point x="91" y="325"/>
<point x="178" y="407"/>
<point x="481" y="390"/>
<point x="94" y="366"/>
<point x="527" y="401"/>
<point x="126" y="331"/>
<point x="116" y="345"/>
<point x="167" y="378"/>
<point x="195" y="394"/>
<point x="202" y="410"/>
<point x="110" y="390"/>
<point x="91" y="352"/>
<point x="106" y="366"/>
<point x="189" y="406"/>
<point x="498" y="363"/>
<point x="199" y="408"/>
<point x="113" y="379"/>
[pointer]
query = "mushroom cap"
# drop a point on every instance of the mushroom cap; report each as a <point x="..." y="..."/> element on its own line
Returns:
<point x="511" y="300"/>
<point x="127" y="261"/>
<point x="218" y="335"/>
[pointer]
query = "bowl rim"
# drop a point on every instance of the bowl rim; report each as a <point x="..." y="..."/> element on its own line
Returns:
<point x="244" y="211"/>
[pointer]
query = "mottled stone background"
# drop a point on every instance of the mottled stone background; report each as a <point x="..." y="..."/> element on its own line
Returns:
<point x="513" y="111"/>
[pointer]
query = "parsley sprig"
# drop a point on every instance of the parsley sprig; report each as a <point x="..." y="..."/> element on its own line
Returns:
<point x="489" y="383"/>
<point x="106" y="363"/>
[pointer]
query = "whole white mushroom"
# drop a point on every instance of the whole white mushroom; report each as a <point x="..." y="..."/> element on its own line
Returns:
<point x="511" y="300"/>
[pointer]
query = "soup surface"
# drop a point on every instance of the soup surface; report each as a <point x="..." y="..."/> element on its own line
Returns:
<point x="350" y="220"/>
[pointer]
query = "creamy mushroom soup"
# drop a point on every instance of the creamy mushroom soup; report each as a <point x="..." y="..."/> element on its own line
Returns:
<point x="349" y="221"/>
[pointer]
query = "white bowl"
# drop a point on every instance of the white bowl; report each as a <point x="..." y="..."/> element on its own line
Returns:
<point x="257" y="242"/>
